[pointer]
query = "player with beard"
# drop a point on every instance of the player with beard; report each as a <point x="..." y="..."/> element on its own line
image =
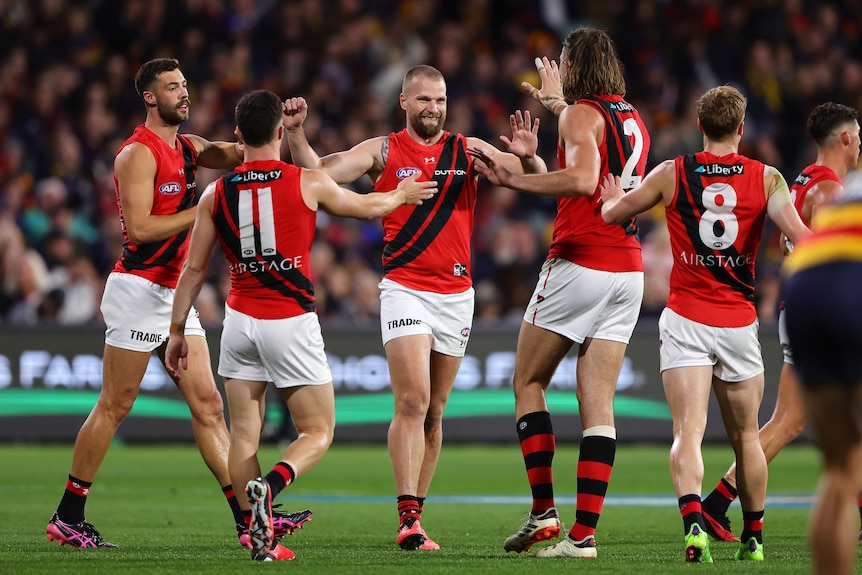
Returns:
<point x="426" y="297"/>
<point x="589" y="290"/>
<point x="154" y="178"/>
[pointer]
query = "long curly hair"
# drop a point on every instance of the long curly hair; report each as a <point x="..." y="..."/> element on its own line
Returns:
<point x="591" y="65"/>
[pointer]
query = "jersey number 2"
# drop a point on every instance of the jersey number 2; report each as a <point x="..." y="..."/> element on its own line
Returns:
<point x="629" y="179"/>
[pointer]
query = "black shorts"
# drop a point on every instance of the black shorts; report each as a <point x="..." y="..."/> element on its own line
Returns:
<point x="823" y="305"/>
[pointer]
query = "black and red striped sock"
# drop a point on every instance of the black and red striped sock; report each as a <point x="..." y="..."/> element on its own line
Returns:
<point x="71" y="508"/>
<point x="691" y="509"/>
<point x="752" y="526"/>
<point x="538" y="446"/>
<point x="280" y="477"/>
<point x="409" y="508"/>
<point x="595" y="464"/>
<point x="421" y="501"/>
<point x="720" y="498"/>
<point x="234" y="504"/>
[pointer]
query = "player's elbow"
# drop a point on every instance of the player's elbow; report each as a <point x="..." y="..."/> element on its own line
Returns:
<point x="138" y="236"/>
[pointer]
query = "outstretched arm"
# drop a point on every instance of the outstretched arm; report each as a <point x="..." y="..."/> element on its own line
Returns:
<point x="579" y="129"/>
<point x="319" y="190"/>
<point x="343" y="167"/>
<point x="216" y="155"/>
<point x="618" y="206"/>
<point x="191" y="279"/>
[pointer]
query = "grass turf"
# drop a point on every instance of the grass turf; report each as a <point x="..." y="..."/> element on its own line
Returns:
<point x="163" y="508"/>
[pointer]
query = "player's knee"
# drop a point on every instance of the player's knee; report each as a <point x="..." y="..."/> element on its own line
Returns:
<point x="412" y="405"/>
<point x="116" y="407"/>
<point x="318" y="437"/>
<point x="208" y="407"/>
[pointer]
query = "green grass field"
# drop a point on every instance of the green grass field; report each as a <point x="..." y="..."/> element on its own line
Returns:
<point x="163" y="508"/>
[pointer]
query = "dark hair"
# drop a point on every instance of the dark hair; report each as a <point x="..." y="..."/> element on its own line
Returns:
<point x="592" y="65"/>
<point x="721" y="110"/>
<point x="149" y="71"/>
<point x="825" y="118"/>
<point x="258" y="116"/>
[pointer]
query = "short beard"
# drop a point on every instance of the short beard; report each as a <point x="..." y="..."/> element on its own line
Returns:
<point x="170" y="116"/>
<point x="422" y="129"/>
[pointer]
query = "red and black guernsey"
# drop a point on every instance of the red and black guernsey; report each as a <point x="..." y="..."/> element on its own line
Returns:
<point x="173" y="191"/>
<point x="715" y="222"/>
<point x="265" y="230"/>
<point x="428" y="246"/>
<point x="807" y="179"/>
<point x="580" y="234"/>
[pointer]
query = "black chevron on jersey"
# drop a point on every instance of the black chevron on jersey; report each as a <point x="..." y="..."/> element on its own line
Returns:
<point x="428" y="219"/>
<point x="689" y="203"/>
<point x="290" y="283"/>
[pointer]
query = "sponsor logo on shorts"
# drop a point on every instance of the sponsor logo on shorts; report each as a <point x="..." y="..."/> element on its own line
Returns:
<point x="396" y="323"/>
<point x="406" y="172"/>
<point x="465" y="332"/>
<point x="144" y="336"/>
<point x="170" y="189"/>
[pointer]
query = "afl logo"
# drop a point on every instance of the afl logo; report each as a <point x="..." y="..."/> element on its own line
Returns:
<point x="465" y="332"/>
<point x="406" y="172"/>
<point x="170" y="189"/>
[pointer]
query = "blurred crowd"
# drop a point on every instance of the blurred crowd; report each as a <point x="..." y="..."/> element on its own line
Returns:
<point x="67" y="101"/>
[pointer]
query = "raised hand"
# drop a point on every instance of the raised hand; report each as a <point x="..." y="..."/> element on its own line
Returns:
<point x="415" y="192"/>
<point x="551" y="93"/>
<point x="295" y="112"/>
<point x="525" y="140"/>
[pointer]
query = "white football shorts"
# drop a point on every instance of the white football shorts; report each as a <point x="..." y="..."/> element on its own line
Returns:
<point x="784" y="339"/>
<point x="578" y="302"/>
<point x="733" y="351"/>
<point x="137" y="313"/>
<point x="288" y="352"/>
<point x="447" y="318"/>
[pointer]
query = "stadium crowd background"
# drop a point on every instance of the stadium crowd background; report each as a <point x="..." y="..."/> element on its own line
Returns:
<point x="68" y="102"/>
